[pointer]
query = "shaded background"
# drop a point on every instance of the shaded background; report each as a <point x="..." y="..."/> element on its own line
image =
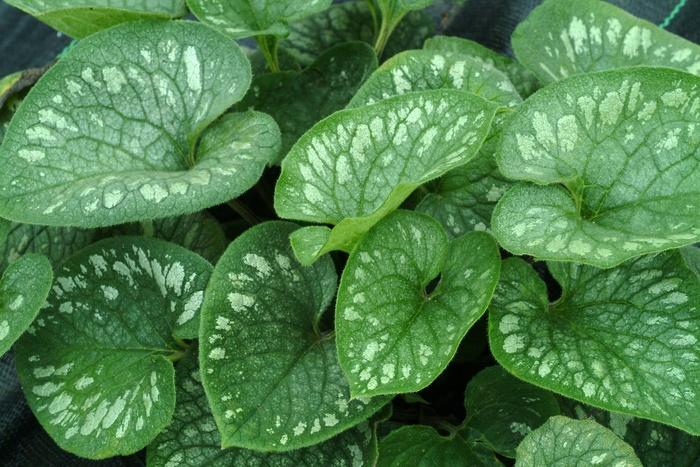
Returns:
<point x="27" y="43"/>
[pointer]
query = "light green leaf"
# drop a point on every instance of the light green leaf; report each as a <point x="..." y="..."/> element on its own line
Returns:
<point x="246" y="18"/>
<point x="392" y="11"/>
<point x="95" y="365"/>
<point x="24" y="287"/>
<point x="504" y="409"/>
<point x="297" y="100"/>
<point x="80" y="18"/>
<point x="563" y="442"/>
<point x="624" y="144"/>
<point x="358" y="165"/>
<point x="691" y="255"/>
<point x="561" y="38"/>
<point x="13" y="88"/>
<point x="116" y="130"/>
<point x="270" y="372"/>
<point x="394" y="334"/>
<point x="193" y="440"/>
<point x="423" y="446"/>
<point x="640" y="324"/>
<point x="523" y="80"/>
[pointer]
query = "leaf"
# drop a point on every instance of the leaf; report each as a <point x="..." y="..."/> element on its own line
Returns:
<point x="23" y="290"/>
<point x="270" y="372"/>
<point x="423" y="446"/>
<point x="563" y="442"/>
<point x="95" y="366"/>
<point x="524" y="81"/>
<point x="504" y="409"/>
<point x="561" y="38"/>
<point x="640" y="324"/>
<point x="246" y="18"/>
<point x="13" y="88"/>
<point x="193" y="440"/>
<point x="297" y="100"/>
<point x="691" y="255"/>
<point x="623" y="143"/>
<point x="392" y="11"/>
<point x="356" y="166"/>
<point x="395" y="334"/>
<point x="111" y="134"/>
<point x="80" y="18"/>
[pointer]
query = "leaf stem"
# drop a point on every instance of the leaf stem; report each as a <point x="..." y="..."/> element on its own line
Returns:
<point x="176" y="356"/>
<point x="385" y="30"/>
<point x="268" y="47"/>
<point x="244" y="211"/>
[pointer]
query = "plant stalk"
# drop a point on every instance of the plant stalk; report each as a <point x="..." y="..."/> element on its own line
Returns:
<point x="268" y="47"/>
<point x="244" y="211"/>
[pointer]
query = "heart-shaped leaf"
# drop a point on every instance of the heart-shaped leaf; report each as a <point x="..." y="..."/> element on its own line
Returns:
<point x="297" y="100"/>
<point x="246" y="18"/>
<point x="561" y="38"/>
<point x="111" y="133"/>
<point x="193" y="440"/>
<point x="23" y="290"/>
<point x="504" y="409"/>
<point x="95" y="365"/>
<point x="394" y="333"/>
<point x="618" y="153"/>
<point x="80" y="18"/>
<point x="640" y="323"/>
<point x="269" y="369"/>
<point x="358" y="165"/>
<point x="563" y="442"/>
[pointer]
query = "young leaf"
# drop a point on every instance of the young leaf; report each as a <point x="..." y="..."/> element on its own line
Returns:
<point x="270" y="372"/>
<point x="358" y="165"/>
<point x="23" y="290"/>
<point x="623" y="143"/>
<point x="523" y="80"/>
<point x="423" y="446"/>
<point x="193" y="440"/>
<point x="111" y="133"/>
<point x="297" y="100"/>
<point x="246" y="18"/>
<point x="95" y="365"/>
<point x="391" y="12"/>
<point x="640" y="324"/>
<point x="563" y="442"/>
<point x="80" y="18"/>
<point x="561" y="38"/>
<point x="394" y="334"/>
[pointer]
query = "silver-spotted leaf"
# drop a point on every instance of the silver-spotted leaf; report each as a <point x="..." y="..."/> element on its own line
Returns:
<point x="24" y="287"/>
<point x="640" y="323"/>
<point x="395" y="335"/>
<point x="564" y="442"/>
<point x="561" y="38"/>
<point x="193" y="440"/>
<point x="116" y="130"/>
<point x="80" y="18"/>
<point x="95" y="365"/>
<point x="270" y="371"/>
<point x="618" y="153"/>
<point x="356" y="166"/>
<point x="297" y="100"/>
<point x="246" y="18"/>
<point x="503" y="409"/>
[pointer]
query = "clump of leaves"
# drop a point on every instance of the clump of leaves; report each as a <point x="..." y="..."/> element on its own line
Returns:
<point x="155" y="300"/>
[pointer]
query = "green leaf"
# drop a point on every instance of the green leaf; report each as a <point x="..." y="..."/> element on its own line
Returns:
<point x="193" y="440"/>
<point x="13" y="88"/>
<point x="639" y="323"/>
<point x="504" y="409"/>
<point x="523" y="80"/>
<point x="395" y="334"/>
<point x="563" y="442"/>
<point x="392" y="11"/>
<point x="80" y="18"/>
<point x="297" y="100"/>
<point x="95" y="365"/>
<point x="270" y="372"/>
<point x="111" y="134"/>
<point x="617" y="151"/>
<point x="23" y="290"/>
<point x="423" y="446"/>
<point x="198" y="232"/>
<point x="358" y="165"/>
<point x="246" y="18"/>
<point x="691" y="255"/>
<point x="561" y="38"/>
